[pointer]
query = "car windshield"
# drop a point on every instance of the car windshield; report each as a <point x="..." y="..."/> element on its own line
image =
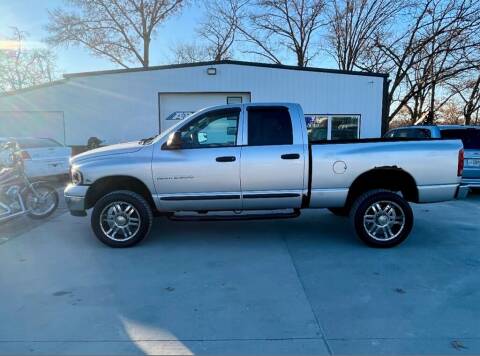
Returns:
<point x="469" y="137"/>
<point x="37" y="142"/>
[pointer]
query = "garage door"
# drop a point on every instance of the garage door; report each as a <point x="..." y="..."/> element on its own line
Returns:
<point x="48" y="124"/>
<point x="176" y="106"/>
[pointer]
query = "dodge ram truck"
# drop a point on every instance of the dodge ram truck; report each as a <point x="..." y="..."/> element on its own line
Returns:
<point x="250" y="161"/>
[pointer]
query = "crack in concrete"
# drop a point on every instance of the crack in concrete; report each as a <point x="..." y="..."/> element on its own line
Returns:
<point x="319" y="325"/>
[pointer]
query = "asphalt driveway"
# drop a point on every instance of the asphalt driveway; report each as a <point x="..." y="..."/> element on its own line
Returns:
<point x="301" y="286"/>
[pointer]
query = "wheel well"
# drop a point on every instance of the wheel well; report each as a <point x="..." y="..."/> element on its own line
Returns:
<point x="391" y="178"/>
<point x="107" y="185"/>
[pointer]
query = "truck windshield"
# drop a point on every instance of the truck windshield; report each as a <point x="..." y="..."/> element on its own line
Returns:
<point x="469" y="137"/>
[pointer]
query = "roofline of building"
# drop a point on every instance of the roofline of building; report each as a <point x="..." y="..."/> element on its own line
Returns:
<point x="212" y="63"/>
<point x="188" y="65"/>
<point x="33" y="87"/>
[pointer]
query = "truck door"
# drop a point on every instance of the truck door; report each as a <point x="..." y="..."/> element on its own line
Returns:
<point x="204" y="172"/>
<point x="273" y="159"/>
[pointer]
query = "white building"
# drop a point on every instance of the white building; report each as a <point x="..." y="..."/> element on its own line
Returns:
<point x="128" y="104"/>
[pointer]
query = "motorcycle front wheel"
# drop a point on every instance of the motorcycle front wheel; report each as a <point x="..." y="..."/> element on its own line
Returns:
<point x="41" y="201"/>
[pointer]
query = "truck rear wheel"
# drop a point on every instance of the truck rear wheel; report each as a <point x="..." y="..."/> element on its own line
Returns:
<point x="121" y="219"/>
<point x="382" y="218"/>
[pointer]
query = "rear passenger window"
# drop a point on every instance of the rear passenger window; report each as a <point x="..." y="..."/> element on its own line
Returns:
<point x="269" y="126"/>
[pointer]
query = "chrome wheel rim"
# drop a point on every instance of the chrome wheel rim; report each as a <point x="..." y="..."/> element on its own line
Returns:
<point x="120" y="221"/>
<point x="41" y="203"/>
<point x="384" y="220"/>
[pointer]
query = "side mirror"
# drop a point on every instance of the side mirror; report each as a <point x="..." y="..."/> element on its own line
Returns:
<point x="174" y="141"/>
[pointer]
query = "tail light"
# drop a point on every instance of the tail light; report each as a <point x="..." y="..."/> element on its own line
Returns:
<point x="25" y="155"/>
<point x="461" y="156"/>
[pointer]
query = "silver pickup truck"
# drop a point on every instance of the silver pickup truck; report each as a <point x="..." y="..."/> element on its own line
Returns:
<point x="254" y="160"/>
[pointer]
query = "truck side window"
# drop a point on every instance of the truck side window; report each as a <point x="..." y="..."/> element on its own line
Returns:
<point x="410" y="133"/>
<point x="213" y="129"/>
<point x="269" y="126"/>
<point x="424" y="133"/>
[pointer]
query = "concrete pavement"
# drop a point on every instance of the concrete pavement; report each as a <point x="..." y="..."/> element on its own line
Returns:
<point x="302" y="286"/>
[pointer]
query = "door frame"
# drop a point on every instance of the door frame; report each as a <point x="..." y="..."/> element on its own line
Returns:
<point x="212" y="200"/>
<point x="274" y="198"/>
<point x="249" y="93"/>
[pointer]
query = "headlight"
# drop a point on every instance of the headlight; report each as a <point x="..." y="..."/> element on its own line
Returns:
<point x="76" y="177"/>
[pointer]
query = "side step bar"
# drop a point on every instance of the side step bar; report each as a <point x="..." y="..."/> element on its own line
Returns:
<point x="269" y="216"/>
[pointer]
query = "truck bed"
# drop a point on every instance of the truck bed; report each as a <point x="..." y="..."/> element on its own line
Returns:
<point x="336" y="165"/>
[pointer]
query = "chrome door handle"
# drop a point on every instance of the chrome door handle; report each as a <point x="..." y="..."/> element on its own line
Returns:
<point x="226" y="159"/>
<point x="291" y="156"/>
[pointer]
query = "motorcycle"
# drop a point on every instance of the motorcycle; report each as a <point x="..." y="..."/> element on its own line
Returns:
<point x="18" y="194"/>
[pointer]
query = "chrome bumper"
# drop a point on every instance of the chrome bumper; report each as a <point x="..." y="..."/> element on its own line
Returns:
<point x="75" y="199"/>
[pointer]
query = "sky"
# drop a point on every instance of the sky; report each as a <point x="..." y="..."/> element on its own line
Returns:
<point x="32" y="15"/>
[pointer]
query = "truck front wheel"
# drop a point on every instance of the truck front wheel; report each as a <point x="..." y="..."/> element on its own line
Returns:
<point x="121" y="219"/>
<point x="382" y="218"/>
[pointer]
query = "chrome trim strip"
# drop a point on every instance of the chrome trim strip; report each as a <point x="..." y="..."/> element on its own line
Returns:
<point x="200" y="197"/>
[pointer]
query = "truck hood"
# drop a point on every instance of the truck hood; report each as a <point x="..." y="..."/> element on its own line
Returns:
<point x="121" y="148"/>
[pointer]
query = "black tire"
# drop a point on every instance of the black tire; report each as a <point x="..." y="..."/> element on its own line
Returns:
<point x="125" y="198"/>
<point x="42" y="187"/>
<point x="395" y="229"/>
<point x="344" y="211"/>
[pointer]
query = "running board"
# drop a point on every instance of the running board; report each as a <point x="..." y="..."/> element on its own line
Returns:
<point x="294" y="214"/>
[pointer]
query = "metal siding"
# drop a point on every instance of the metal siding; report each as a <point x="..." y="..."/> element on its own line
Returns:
<point x="124" y="106"/>
<point x="171" y="102"/>
<point x="46" y="124"/>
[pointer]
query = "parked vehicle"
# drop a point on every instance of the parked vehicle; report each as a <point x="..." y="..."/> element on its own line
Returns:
<point x="18" y="194"/>
<point x="255" y="157"/>
<point x="42" y="157"/>
<point x="470" y="136"/>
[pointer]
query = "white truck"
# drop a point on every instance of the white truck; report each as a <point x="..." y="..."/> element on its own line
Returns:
<point x="252" y="159"/>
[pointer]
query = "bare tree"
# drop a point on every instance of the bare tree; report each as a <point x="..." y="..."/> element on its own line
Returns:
<point x="451" y="113"/>
<point x="423" y="78"/>
<point x="218" y="33"/>
<point x="22" y="67"/>
<point x="468" y="90"/>
<point x="466" y="87"/>
<point x="269" y="27"/>
<point x="354" y="26"/>
<point x="215" y="35"/>
<point x="190" y="53"/>
<point x="436" y="41"/>
<point x="120" y="30"/>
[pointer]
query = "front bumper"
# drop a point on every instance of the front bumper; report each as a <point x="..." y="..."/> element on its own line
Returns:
<point x="75" y="199"/>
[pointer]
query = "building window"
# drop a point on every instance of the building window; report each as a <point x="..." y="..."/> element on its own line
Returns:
<point x="234" y="99"/>
<point x="332" y="127"/>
